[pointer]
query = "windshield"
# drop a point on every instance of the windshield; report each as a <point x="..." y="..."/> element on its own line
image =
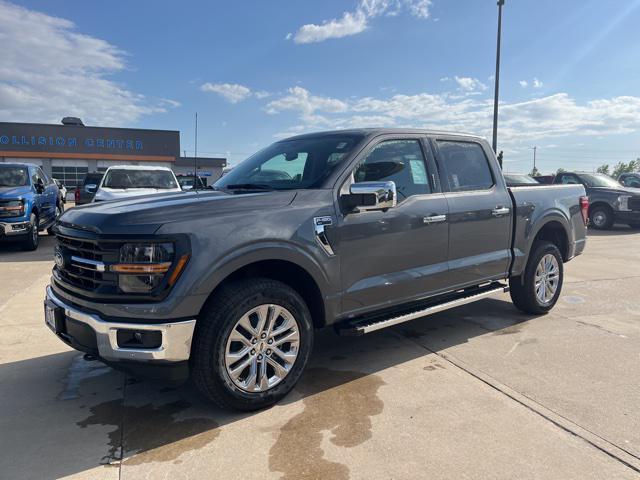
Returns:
<point x="13" y="176"/>
<point x="519" y="179"/>
<point x="599" y="180"/>
<point x="291" y="164"/>
<point x="124" y="178"/>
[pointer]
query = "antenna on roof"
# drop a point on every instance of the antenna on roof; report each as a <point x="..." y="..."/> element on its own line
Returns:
<point x="195" y="158"/>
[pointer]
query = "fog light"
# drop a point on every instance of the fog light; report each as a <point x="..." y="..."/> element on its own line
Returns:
<point x="139" y="338"/>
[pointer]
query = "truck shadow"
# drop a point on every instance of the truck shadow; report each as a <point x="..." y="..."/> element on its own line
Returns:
<point x="11" y="252"/>
<point x="68" y="416"/>
<point x="616" y="230"/>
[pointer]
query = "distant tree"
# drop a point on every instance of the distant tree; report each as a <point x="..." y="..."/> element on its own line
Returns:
<point x="534" y="172"/>
<point x="560" y="170"/>
<point x="603" y="169"/>
<point x="622" y="167"/>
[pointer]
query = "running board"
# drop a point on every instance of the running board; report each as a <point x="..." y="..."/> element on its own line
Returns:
<point x="362" y="327"/>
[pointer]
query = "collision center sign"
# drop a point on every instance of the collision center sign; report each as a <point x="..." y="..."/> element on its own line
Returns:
<point x="42" y="140"/>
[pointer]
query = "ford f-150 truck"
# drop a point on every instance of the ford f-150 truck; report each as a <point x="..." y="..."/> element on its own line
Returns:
<point x="356" y="229"/>
<point x="29" y="203"/>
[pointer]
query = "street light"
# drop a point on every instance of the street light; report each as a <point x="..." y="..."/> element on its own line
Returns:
<point x="497" y="90"/>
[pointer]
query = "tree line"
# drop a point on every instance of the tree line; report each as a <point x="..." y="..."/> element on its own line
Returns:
<point x="618" y="169"/>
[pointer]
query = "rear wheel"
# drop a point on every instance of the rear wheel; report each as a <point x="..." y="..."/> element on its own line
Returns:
<point x="31" y="243"/>
<point x="538" y="289"/>
<point x="252" y="344"/>
<point x="59" y="210"/>
<point x="601" y="217"/>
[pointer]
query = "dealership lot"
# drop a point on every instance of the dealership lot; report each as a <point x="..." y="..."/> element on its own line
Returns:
<point x="479" y="391"/>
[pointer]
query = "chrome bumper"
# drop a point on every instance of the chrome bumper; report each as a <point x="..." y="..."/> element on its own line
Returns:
<point x="9" y="229"/>
<point x="176" y="337"/>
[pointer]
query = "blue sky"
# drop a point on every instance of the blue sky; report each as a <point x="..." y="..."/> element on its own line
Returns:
<point x="259" y="70"/>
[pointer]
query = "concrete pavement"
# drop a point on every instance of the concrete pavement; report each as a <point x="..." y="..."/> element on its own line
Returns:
<point x="477" y="392"/>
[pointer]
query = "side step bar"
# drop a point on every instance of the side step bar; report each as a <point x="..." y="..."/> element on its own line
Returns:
<point x="362" y="327"/>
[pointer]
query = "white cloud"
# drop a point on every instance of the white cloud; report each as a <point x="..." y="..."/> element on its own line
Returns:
<point x="352" y="23"/>
<point x="231" y="92"/>
<point x="523" y="83"/>
<point x="549" y="117"/>
<point x="537" y="83"/>
<point x="49" y="70"/>
<point x="468" y="84"/>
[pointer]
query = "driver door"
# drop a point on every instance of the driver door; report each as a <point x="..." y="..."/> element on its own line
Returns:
<point x="398" y="255"/>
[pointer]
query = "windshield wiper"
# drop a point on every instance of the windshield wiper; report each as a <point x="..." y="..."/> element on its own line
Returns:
<point x="248" y="186"/>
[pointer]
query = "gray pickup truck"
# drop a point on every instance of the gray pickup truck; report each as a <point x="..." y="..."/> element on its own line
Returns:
<point x="356" y="229"/>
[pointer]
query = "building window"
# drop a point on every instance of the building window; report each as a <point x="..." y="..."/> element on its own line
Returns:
<point x="71" y="177"/>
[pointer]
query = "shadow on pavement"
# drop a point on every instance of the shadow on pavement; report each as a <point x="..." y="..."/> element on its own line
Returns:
<point x="13" y="252"/>
<point x="616" y="230"/>
<point x="67" y="415"/>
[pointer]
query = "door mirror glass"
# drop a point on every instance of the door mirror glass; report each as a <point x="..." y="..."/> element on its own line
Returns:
<point x="91" y="187"/>
<point x="370" y="196"/>
<point x="39" y="185"/>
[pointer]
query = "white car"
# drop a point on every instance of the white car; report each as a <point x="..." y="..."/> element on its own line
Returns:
<point x="135" y="180"/>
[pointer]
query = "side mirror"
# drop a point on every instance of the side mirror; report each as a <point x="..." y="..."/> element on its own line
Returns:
<point x="371" y="196"/>
<point x="91" y="187"/>
<point x="39" y="186"/>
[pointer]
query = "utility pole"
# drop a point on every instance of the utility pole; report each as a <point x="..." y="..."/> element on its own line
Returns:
<point x="497" y="79"/>
<point x="535" y="149"/>
<point x="195" y="158"/>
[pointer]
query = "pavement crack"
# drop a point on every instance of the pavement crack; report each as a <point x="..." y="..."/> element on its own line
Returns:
<point x="607" y="447"/>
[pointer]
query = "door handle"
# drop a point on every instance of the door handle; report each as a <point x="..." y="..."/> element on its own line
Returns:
<point x="499" y="211"/>
<point x="434" y="219"/>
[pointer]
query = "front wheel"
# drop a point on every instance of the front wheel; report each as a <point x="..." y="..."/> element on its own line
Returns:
<point x="538" y="289"/>
<point x="601" y="217"/>
<point x="252" y="344"/>
<point x="33" y="239"/>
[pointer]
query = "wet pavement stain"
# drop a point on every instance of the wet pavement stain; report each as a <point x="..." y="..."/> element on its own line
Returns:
<point x="340" y="402"/>
<point x="79" y="371"/>
<point x="151" y="433"/>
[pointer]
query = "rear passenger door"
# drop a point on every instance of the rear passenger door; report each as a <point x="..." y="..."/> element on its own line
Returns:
<point x="480" y="211"/>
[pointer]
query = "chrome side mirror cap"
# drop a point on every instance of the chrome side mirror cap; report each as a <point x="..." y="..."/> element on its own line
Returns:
<point x="372" y="196"/>
<point x="91" y="187"/>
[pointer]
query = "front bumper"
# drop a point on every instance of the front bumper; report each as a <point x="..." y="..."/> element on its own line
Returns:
<point x="10" y="230"/>
<point x="631" y="216"/>
<point x="92" y="334"/>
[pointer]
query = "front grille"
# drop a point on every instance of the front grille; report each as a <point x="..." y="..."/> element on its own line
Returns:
<point x="634" y="203"/>
<point x="8" y="213"/>
<point x="82" y="258"/>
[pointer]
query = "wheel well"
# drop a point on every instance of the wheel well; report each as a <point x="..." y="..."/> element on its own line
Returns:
<point x="35" y="210"/>
<point x="555" y="233"/>
<point x="288" y="273"/>
<point x="600" y="204"/>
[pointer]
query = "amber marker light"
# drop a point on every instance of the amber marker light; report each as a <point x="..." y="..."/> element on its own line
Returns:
<point x="141" y="268"/>
<point x="182" y="262"/>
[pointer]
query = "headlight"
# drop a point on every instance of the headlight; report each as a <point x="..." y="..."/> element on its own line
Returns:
<point x="12" y="208"/>
<point x="623" y="202"/>
<point x="143" y="266"/>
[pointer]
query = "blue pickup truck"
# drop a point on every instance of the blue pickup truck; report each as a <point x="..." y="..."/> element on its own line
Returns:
<point x="29" y="203"/>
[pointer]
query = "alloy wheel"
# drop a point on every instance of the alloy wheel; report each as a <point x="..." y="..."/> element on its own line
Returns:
<point x="547" y="279"/>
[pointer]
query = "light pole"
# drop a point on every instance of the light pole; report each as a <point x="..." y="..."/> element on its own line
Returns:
<point x="497" y="90"/>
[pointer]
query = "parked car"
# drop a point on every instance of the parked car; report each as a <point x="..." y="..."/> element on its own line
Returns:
<point x="519" y="180"/>
<point x="29" y="203"/>
<point x="630" y="180"/>
<point x="609" y="201"/>
<point x="362" y="229"/>
<point x="545" y="179"/>
<point x="186" y="182"/>
<point x="85" y="192"/>
<point x="127" y="181"/>
<point x="62" y="190"/>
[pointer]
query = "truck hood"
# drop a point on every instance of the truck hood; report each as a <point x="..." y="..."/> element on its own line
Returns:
<point x="104" y="194"/>
<point x="14" y="192"/>
<point x="145" y="214"/>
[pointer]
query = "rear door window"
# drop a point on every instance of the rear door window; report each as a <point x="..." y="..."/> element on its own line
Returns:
<point x="466" y="165"/>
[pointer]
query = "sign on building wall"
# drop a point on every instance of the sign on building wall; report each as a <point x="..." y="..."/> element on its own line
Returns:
<point x="71" y="141"/>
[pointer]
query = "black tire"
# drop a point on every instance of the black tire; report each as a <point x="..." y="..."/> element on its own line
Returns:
<point x="33" y="239"/>
<point x="523" y="288"/>
<point x="59" y="210"/>
<point x="216" y="323"/>
<point x="601" y="217"/>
